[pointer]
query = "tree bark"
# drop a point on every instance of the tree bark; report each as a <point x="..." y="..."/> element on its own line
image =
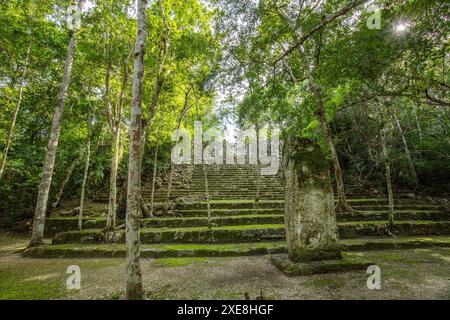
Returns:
<point x="112" y="207"/>
<point x="155" y="164"/>
<point x="134" y="287"/>
<point x="114" y="121"/>
<point x="49" y="162"/>
<point x="83" y="185"/>
<point x="310" y="218"/>
<point x="258" y="175"/>
<point x="208" y="204"/>
<point x="159" y="79"/>
<point x="387" y="167"/>
<point x="412" y="169"/>
<point x="14" y="118"/>
<point x="342" y="205"/>
<point x="416" y="117"/>
<point x="186" y="108"/>
<point x="172" y="169"/>
<point x="66" y="179"/>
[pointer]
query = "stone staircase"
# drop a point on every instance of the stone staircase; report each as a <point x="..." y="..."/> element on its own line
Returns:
<point x="239" y="225"/>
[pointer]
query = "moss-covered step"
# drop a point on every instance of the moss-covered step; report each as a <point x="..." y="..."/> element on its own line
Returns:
<point x="232" y="204"/>
<point x="248" y="233"/>
<point x="256" y="233"/>
<point x="399" y="207"/>
<point x="248" y="217"/>
<point x="224" y="212"/>
<point x="356" y="229"/>
<point x="215" y="221"/>
<point x="358" y="201"/>
<point x="222" y="217"/>
<point x="60" y="224"/>
<point x="223" y="250"/>
<point x="400" y="215"/>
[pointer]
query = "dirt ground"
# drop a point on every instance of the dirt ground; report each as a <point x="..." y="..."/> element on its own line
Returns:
<point x="405" y="274"/>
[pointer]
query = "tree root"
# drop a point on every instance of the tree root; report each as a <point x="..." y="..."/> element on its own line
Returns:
<point x="345" y="207"/>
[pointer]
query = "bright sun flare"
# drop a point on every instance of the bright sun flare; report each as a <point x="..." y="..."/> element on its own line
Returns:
<point x="401" y="27"/>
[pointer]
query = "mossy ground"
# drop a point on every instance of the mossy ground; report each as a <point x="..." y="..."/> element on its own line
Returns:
<point x="405" y="274"/>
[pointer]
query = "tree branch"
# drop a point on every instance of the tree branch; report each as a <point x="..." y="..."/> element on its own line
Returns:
<point x="328" y="19"/>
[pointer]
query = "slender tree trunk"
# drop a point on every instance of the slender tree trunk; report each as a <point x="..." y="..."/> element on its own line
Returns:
<point x="86" y="173"/>
<point x="412" y="169"/>
<point x="114" y="120"/>
<point x="46" y="180"/>
<point x="342" y="205"/>
<point x="172" y="169"/>
<point x="112" y="207"/>
<point x="66" y="179"/>
<point x="155" y="165"/>
<point x="83" y="185"/>
<point x="14" y="118"/>
<point x="160" y="78"/>
<point x="387" y="167"/>
<point x="122" y="205"/>
<point x="134" y="287"/>
<point x="205" y="174"/>
<point x="208" y="204"/>
<point x="416" y="117"/>
<point x="144" y="209"/>
<point x="258" y="174"/>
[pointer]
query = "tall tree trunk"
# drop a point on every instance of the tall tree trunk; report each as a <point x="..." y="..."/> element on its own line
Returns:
<point x="114" y="120"/>
<point x="208" y="204"/>
<point x="416" y="117"/>
<point x="16" y="111"/>
<point x="46" y="180"/>
<point x="83" y="185"/>
<point x="412" y="169"/>
<point x="258" y="174"/>
<point x="311" y="228"/>
<point x="160" y="78"/>
<point x="134" y="287"/>
<point x="112" y="207"/>
<point x="66" y="179"/>
<point x="172" y="170"/>
<point x="155" y="164"/>
<point x="186" y="108"/>
<point x="387" y="167"/>
<point x="342" y="205"/>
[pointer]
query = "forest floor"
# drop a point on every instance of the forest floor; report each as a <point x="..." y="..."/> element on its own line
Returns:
<point x="405" y="274"/>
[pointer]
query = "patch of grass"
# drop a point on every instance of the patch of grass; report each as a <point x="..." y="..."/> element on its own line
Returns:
<point x="14" y="286"/>
<point x="178" y="262"/>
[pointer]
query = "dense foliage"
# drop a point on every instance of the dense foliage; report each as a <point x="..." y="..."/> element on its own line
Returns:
<point x="254" y="56"/>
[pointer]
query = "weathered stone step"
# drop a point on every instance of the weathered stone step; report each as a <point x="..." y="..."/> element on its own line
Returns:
<point x="227" y="212"/>
<point x="385" y="207"/>
<point x="215" y="221"/>
<point x="253" y="181"/>
<point x="235" y="193"/>
<point x="257" y="233"/>
<point x="229" y="185"/>
<point x="224" y="250"/>
<point x="236" y="217"/>
<point x="232" y="205"/>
